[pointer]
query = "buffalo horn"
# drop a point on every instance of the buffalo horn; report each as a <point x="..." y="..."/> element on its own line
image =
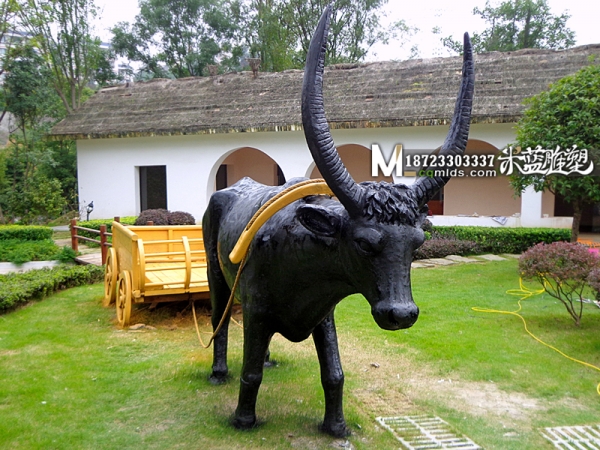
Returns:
<point x="316" y="129"/>
<point x="456" y="140"/>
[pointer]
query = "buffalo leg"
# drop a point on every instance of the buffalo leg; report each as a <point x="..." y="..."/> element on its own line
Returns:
<point x="332" y="377"/>
<point x="219" y="296"/>
<point x="256" y="345"/>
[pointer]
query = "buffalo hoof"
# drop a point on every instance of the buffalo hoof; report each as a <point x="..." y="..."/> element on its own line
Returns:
<point x="338" y="430"/>
<point x="218" y="378"/>
<point x="244" y="422"/>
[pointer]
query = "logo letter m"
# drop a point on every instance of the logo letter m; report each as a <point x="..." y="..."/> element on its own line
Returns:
<point x="378" y="161"/>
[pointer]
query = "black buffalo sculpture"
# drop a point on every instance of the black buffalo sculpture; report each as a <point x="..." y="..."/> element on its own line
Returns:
<point x="318" y="250"/>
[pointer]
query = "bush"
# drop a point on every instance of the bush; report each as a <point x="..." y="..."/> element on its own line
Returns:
<point x="181" y="218"/>
<point x="156" y="216"/>
<point x="19" y="252"/>
<point x="563" y="269"/>
<point x="164" y="217"/>
<point x="503" y="240"/>
<point x="440" y="248"/>
<point x="24" y="233"/>
<point x="19" y="288"/>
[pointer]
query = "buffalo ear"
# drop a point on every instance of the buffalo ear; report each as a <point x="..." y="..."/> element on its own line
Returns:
<point x="319" y="220"/>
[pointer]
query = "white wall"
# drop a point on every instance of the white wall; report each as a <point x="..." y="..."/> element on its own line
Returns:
<point x="107" y="168"/>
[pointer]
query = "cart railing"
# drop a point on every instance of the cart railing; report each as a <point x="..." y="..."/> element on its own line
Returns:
<point x="102" y="233"/>
<point x="185" y="260"/>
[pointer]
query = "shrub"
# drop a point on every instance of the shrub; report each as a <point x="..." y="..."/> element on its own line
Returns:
<point x="156" y="216"/>
<point x="503" y="240"/>
<point x="563" y="269"/>
<point x="164" y="217"/>
<point x="181" y="218"/>
<point x="439" y="248"/>
<point x="25" y="233"/>
<point x="19" y="252"/>
<point x="427" y="226"/>
<point x="19" y="288"/>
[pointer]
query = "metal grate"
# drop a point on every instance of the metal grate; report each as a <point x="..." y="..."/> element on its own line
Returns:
<point x="425" y="432"/>
<point x="574" y="438"/>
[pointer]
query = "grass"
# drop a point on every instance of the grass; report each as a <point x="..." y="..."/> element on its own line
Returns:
<point x="72" y="379"/>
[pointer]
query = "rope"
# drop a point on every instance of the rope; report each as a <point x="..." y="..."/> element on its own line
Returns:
<point x="524" y="293"/>
<point x="227" y="308"/>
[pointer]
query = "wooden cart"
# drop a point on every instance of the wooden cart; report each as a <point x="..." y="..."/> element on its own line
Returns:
<point x="154" y="264"/>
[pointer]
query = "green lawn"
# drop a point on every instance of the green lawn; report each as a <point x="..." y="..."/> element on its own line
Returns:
<point x="71" y="379"/>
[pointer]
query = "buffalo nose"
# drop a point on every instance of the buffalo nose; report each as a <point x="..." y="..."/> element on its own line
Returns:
<point x="396" y="317"/>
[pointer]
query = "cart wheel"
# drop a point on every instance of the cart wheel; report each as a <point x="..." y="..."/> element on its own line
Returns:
<point x="124" y="298"/>
<point x="110" y="278"/>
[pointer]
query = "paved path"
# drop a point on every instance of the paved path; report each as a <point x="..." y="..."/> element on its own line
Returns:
<point x="453" y="259"/>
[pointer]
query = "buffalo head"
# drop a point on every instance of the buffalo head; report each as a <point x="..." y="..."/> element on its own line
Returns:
<point x="382" y="221"/>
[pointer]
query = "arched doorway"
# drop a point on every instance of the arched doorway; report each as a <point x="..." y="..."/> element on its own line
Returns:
<point x="357" y="159"/>
<point x="483" y="194"/>
<point x="248" y="162"/>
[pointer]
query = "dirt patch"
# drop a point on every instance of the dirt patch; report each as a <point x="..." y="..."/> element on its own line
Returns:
<point x="379" y="384"/>
<point x="395" y="386"/>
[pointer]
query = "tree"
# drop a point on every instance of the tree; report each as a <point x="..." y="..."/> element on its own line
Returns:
<point x="29" y="187"/>
<point x="281" y="30"/>
<point x="516" y="24"/>
<point x="61" y="32"/>
<point x="180" y="38"/>
<point x="566" y="115"/>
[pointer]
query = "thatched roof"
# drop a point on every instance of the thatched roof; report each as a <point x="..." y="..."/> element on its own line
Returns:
<point x="383" y="94"/>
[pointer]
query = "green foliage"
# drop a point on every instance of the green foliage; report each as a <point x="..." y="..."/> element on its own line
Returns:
<point x="25" y="233"/>
<point x="440" y="248"/>
<point x="517" y="24"/>
<point x="502" y="240"/>
<point x="19" y="288"/>
<point x="563" y="270"/>
<point x="567" y="114"/>
<point x="279" y="31"/>
<point x="33" y="168"/>
<point x="61" y="31"/>
<point x="27" y="91"/>
<point x="20" y="252"/>
<point x="189" y="35"/>
<point x="66" y="255"/>
<point x="96" y="223"/>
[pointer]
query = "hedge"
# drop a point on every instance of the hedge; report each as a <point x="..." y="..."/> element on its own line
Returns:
<point x="25" y="233"/>
<point x="19" y="288"/>
<point x="20" y="252"/>
<point x="502" y="240"/>
<point x="95" y="225"/>
<point x="440" y="248"/>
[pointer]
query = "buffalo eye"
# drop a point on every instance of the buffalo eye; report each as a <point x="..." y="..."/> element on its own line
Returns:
<point x="369" y="241"/>
<point x="365" y="246"/>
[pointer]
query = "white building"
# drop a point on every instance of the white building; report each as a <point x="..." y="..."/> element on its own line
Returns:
<point x="172" y="143"/>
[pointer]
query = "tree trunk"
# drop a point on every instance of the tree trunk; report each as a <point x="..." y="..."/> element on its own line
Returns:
<point x="577" y="210"/>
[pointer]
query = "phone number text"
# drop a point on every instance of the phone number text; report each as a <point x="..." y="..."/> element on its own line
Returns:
<point x="450" y="160"/>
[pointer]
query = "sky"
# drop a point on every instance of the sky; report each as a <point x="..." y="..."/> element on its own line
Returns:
<point x="454" y="18"/>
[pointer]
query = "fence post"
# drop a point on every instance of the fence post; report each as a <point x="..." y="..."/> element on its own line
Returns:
<point x="103" y="246"/>
<point x="74" y="243"/>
